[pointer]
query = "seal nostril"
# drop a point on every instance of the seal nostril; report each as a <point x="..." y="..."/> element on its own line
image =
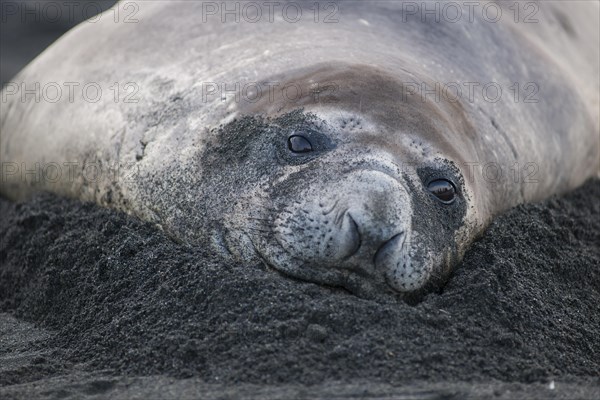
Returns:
<point x="387" y="246"/>
<point x="354" y="236"/>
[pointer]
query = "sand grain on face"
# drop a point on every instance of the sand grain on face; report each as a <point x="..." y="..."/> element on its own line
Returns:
<point x="115" y="293"/>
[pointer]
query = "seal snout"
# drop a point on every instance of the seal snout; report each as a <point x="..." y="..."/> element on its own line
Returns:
<point x="355" y="232"/>
<point x="386" y="257"/>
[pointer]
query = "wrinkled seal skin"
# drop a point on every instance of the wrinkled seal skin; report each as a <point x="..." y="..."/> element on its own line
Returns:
<point x="354" y="212"/>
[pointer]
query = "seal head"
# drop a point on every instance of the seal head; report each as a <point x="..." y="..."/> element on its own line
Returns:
<point x="339" y="207"/>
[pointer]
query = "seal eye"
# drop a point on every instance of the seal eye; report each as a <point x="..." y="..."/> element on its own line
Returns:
<point x="299" y="144"/>
<point x="442" y="189"/>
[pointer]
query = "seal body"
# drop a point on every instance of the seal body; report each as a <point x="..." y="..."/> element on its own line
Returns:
<point x="366" y="153"/>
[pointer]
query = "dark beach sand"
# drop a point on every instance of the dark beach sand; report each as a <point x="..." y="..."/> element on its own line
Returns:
<point x="96" y="304"/>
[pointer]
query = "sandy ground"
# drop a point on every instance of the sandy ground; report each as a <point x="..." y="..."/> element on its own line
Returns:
<point x="96" y="304"/>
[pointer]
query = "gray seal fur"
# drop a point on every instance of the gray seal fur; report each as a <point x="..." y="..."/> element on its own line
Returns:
<point x="354" y="212"/>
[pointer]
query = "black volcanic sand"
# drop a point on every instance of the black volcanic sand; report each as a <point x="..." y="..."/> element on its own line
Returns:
<point x="97" y="303"/>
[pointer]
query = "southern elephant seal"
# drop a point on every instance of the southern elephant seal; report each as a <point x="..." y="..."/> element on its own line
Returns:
<point x="354" y="152"/>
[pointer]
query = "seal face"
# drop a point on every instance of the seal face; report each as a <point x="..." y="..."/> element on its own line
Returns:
<point x="323" y="204"/>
